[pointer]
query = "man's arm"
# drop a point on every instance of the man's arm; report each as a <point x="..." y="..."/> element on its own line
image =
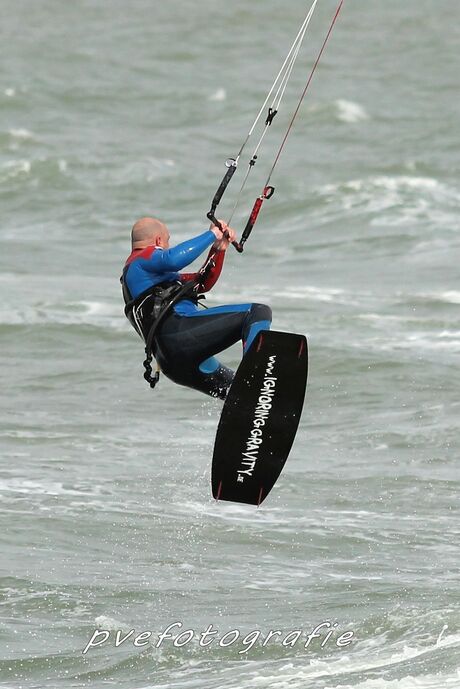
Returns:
<point x="219" y="248"/>
<point x="173" y="260"/>
<point x="214" y="272"/>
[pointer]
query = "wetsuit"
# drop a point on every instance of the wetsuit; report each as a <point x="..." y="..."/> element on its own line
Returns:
<point x="189" y="337"/>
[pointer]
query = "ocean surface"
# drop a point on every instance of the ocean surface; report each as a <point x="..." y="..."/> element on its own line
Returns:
<point x="110" y="111"/>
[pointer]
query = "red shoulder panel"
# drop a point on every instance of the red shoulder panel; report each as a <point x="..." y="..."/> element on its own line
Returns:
<point x="140" y="253"/>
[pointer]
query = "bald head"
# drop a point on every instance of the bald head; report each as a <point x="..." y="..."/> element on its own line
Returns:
<point x="148" y="232"/>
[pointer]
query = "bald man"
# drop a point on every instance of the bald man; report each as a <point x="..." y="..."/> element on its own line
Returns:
<point x="186" y="338"/>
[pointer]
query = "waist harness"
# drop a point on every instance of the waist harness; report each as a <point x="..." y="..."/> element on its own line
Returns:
<point x="147" y="311"/>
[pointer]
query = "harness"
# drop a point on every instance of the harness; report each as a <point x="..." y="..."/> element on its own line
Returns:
<point x="147" y="311"/>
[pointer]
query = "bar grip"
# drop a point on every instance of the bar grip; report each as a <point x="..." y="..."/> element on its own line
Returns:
<point x="224" y="184"/>
<point x="210" y="216"/>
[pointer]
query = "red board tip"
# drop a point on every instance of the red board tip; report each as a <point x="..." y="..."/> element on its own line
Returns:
<point x="259" y="500"/>
<point x="301" y="348"/>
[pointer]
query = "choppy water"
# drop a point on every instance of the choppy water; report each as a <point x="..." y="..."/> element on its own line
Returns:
<point x="109" y="112"/>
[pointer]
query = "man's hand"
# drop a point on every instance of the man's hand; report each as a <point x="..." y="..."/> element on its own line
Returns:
<point x="222" y="243"/>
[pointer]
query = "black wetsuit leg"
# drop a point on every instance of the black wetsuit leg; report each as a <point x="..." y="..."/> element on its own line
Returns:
<point x="185" y="345"/>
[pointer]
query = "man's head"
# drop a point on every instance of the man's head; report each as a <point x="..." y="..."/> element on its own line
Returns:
<point x="149" y="232"/>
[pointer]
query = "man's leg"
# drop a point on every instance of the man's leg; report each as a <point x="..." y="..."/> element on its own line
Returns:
<point x="187" y="344"/>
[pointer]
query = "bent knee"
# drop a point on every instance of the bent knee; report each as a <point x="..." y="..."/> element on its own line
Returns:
<point x="261" y="312"/>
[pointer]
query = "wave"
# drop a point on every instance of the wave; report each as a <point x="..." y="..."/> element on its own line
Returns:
<point x="397" y="201"/>
<point x="24" y="169"/>
<point x="94" y="313"/>
<point x="218" y="96"/>
<point x="447" y="297"/>
<point x="418" y="342"/>
<point x="15" y="168"/>
<point x="271" y="666"/>
<point x="294" y="293"/>
<point x="23" y="134"/>
<point x="147" y="170"/>
<point x="350" y="112"/>
<point x="47" y="487"/>
<point x="340" y="110"/>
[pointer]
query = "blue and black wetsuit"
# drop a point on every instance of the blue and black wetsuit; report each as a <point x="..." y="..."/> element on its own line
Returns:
<point x="188" y="339"/>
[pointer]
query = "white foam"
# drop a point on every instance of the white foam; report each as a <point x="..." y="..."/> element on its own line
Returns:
<point x="31" y="487"/>
<point x="314" y="293"/>
<point x="391" y="184"/>
<point x="10" y="93"/>
<point x="295" y="292"/>
<point x="385" y="319"/>
<point x="363" y="660"/>
<point x="406" y="199"/>
<point x="408" y="682"/>
<point x="15" y="168"/>
<point x="319" y="294"/>
<point x="444" y="340"/>
<point x="421" y="342"/>
<point x="108" y="624"/>
<point x="21" y="134"/>
<point x="398" y="183"/>
<point x="97" y="314"/>
<point x="448" y="297"/>
<point x="350" y="112"/>
<point x="91" y="308"/>
<point x="231" y="512"/>
<point x="218" y="96"/>
<point x="451" y="296"/>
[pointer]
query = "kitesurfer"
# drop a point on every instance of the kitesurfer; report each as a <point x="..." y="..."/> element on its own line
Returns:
<point x="187" y="338"/>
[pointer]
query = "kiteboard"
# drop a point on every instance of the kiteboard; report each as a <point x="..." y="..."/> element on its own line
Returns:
<point x="260" y="418"/>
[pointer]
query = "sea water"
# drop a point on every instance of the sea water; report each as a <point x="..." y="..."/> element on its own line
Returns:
<point x="111" y="111"/>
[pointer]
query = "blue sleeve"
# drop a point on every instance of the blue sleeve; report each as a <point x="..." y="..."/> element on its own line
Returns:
<point x="164" y="260"/>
